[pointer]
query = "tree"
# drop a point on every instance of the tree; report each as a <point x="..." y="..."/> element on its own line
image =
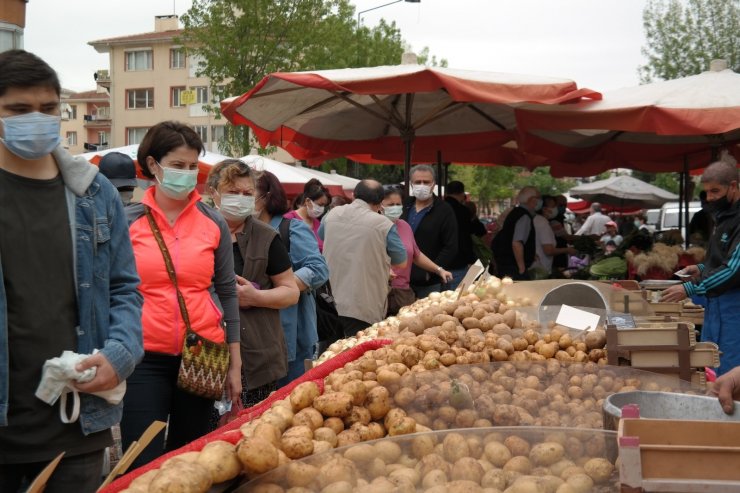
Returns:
<point x="683" y="36"/>
<point x="238" y="42"/>
<point x="424" y="58"/>
<point x="498" y="185"/>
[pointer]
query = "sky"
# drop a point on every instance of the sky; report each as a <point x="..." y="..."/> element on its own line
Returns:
<point x="594" y="42"/>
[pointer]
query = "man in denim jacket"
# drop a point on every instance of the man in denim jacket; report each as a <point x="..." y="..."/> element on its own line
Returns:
<point x="69" y="283"/>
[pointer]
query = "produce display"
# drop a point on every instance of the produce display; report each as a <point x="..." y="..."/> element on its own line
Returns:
<point x="473" y="362"/>
<point x="485" y="460"/>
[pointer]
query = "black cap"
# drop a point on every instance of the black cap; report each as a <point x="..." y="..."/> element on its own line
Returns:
<point x="119" y="169"/>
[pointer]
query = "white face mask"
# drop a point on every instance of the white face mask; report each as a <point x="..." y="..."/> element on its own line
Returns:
<point x="421" y="192"/>
<point x="393" y="212"/>
<point x="236" y="207"/>
<point x="314" y="210"/>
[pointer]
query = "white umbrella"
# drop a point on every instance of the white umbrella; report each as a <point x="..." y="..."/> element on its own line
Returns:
<point x="623" y="191"/>
<point x="291" y="178"/>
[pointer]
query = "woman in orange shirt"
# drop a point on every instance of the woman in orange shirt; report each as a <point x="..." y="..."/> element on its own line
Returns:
<point x="199" y="243"/>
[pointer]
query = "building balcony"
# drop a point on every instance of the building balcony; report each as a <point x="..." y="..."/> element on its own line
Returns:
<point x="100" y="119"/>
<point x="95" y="147"/>
<point x="102" y="78"/>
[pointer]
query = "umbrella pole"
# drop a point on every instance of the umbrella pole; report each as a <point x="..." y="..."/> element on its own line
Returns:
<point x="439" y="173"/>
<point x="681" y="198"/>
<point x="686" y="197"/>
<point x="407" y="165"/>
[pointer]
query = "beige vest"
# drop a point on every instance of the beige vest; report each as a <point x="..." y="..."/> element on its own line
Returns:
<point x="355" y="240"/>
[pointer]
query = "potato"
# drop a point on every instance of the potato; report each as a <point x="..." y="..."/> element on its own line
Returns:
<point x="335" y="424"/>
<point x="361" y="453"/>
<point x="434" y="478"/>
<point x="320" y="447"/>
<point x="268" y="432"/>
<point x="348" y="437"/>
<point x="581" y="483"/>
<point x="275" y="419"/>
<point x="257" y="455"/>
<point x="455" y="447"/>
<point x="518" y="464"/>
<point x="325" y="434"/>
<point x="406" y="474"/>
<point x="422" y="445"/>
<point x="596" y="339"/>
<point x="308" y="417"/>
<point x="357" y="415"/>
<point x="143" y="481"/>
<point x="378" y="402"/>
<point x="220" y="459"/>
<point x="337" y="404"/>
<point x="463" y="312"/>
<point x="467" y="468"/>
<point x="600" y="470"/>
<point x="497" y="453"/>
<point x="517" y="445"/>
<point x="303" y="395"/>
<point x="494" y="478"/>
<point x="300" y="474"/>
<point x="402" y="426"/>
<point x="337" y="469"/>
<point x="296" y="447"/>
<point x="185" y="456"/>
<point x="546" y="453"/>
<point x="181" y="477"/>
<point x="463" y="486"/>
<point x="338" y="487"/>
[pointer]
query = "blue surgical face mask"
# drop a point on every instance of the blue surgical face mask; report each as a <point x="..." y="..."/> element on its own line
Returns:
<point x="177" y="183"/>
<point x="393" y="212"/>
<point x="31" y="135"/>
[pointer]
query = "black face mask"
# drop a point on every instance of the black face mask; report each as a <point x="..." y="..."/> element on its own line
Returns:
<point x="714" y="207"/>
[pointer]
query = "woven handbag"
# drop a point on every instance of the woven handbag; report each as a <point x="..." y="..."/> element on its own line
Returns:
<point x="204" y="364"/>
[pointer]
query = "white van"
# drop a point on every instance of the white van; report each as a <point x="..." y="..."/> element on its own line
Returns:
<point x="652" y="216"/>
<point x="669" y="216"/>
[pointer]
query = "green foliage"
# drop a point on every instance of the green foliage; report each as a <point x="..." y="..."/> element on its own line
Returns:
<point x="666" y="181"/>
<point x="683" y="36"/>
<point x="424" y="58"/>
<point x="240" y="41"/>
<point x="489" y="185"/>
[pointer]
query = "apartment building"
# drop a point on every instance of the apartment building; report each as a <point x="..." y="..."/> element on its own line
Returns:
<point x="12" y="22"/>
<point x="86" y="120"/>
<point x="150" y="79"/>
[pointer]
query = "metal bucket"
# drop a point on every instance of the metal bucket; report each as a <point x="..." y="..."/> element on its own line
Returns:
<point x="666" y="405"/>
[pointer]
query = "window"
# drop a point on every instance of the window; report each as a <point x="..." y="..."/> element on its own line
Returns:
<point x="177" y="58"/>
<point x="139" y="99"/>
<point x="201" y="94"/>
<point x="71" y="138"/>
<point x="73" y="112"/>
<point x="202" y="131"/>
<point x="176" y="97"/>
<point x="102" y="138"/>
<point x="218" y="133"/>
<point x="139" y="60"/>
<point x="135" y="135"/>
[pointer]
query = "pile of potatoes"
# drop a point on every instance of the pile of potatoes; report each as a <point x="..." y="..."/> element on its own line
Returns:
<point x="549" y="393"/>
<point x="492" y="460"/>
<point x="191" y="472"/>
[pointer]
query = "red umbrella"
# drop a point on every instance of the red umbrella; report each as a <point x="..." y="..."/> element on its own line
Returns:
<point x="672" y="125"/>
<point x="394" y="113"/>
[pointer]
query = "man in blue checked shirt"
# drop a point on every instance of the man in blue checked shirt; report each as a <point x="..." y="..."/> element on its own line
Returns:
<point x="718" y="278"/>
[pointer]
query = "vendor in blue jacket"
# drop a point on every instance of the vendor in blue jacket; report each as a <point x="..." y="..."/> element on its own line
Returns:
<point x="718" y="278"/>
<point x="69" y="284"/>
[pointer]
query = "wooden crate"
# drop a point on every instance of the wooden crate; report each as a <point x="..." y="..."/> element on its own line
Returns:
<point x="703" y="354"/>
<point x="677" y="455"/>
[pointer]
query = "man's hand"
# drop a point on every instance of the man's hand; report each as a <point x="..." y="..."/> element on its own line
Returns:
<point x="691" y="270"/>
<point x="105" y="376"/>
<point x="727" y="388"/>
<point x="246" y="293"/>
<point x="673" y="294"/>
<point x="445" y="275"/>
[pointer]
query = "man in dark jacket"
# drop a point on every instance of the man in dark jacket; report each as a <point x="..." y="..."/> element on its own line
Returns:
<point x="719" y="276"/>
<point x="435" y="229"/>
<point x="455" y="196"/>
<point x="514" y="247"/>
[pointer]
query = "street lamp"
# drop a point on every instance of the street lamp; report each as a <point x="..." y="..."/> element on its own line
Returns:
<point x="359" y="14"/>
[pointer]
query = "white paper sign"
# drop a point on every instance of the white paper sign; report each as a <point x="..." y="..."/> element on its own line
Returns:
<point x="577" y="319"/>
<point x="474" y="271"/>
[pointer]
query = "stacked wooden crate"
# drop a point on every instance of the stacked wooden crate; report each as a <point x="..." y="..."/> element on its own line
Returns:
<point x="664" y="347"/>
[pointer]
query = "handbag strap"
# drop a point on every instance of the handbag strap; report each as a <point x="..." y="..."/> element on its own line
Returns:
<point x="169" y="265"/>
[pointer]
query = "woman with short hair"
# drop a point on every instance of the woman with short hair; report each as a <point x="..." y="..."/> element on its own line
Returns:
<point x="265" y="281"/>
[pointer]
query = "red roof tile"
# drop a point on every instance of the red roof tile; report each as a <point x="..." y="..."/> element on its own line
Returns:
<point x="131" y="38"/>
<point x="89" y="95"/>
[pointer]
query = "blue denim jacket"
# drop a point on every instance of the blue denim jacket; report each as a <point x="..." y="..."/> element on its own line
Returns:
<point x="299" y="320"/>
<point x="108" y="302"/>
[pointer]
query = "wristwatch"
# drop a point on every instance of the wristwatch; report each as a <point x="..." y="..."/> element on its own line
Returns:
<point x="439" y="269"/>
